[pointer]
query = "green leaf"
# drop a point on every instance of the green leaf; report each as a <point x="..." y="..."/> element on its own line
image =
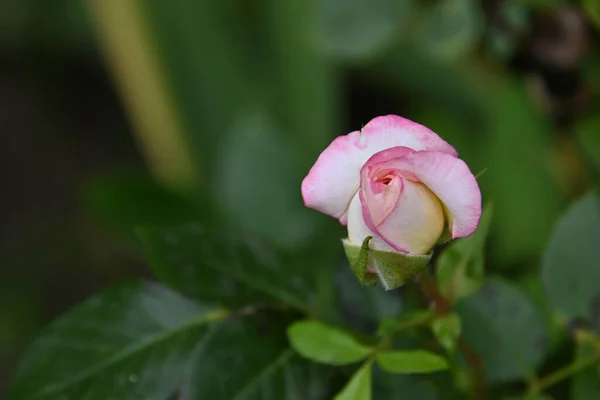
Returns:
<point x="586" y="383"/>
<point x="306" y="98"/>
<point x="447" y="329"/>
<point x="460" y="269"/>
<point x="411" y="361"/>
<point x="451" y="29"/>
<point x="505" y="329"/>
<point x="410" y="387"/>
<point x="129" y="342"/>
<point x="393" y="269"/>
<point x="213" y="266"/>
<point x="570" y="272"/>
<point x="531" y="285"/>
<point x="522" y="222"/>
<point x="363" y="307"/>
<point x="359" y="386"/>
<point x="358" y="29"/>
<point x="249" y="358"/>
<point x="257" y="148"/>
<point x="326" y="344"/>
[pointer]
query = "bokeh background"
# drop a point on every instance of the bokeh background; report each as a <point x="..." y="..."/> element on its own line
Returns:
<point x="117" y="112"/>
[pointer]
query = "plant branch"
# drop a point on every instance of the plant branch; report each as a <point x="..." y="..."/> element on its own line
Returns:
<point x="422" y="319"/>
<point x="443" y="307"/>
<point x="539" y="385"/>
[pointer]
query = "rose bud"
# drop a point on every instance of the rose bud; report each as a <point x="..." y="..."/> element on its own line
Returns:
<point x="399" y="184"/>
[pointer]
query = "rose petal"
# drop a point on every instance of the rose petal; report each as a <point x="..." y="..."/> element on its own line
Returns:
<point x="358" y="230"/>
<point x="335" y="178"/>
<point x="417" y="221"/>
<point x="452" y="182"/>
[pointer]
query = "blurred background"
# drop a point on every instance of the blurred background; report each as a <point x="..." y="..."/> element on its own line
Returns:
<point x="118" y="112"/>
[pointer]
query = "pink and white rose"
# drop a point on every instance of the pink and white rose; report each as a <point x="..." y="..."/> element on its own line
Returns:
<point x="397" y="181"/>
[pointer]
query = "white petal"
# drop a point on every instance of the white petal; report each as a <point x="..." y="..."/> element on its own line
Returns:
<point x="358" y="230"/>
<point x="416" y="223"/>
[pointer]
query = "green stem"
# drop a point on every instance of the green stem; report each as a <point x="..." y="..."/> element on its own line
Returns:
<point x="540" y="385"/>
<point x="443" y="307"/>
<point x="429" y="287"/>
<point x="128" y="48"/>
<point x="421" y="319"/>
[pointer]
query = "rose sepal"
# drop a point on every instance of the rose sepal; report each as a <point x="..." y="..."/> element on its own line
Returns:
<point x="391" y="269"/>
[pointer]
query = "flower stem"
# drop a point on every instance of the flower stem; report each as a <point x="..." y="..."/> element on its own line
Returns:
<point x="418" y="320"/>
<point x="442" y="307"/>
<point x="540" y="385"/>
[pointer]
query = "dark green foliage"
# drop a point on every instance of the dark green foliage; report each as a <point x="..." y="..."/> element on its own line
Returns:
<point x="254" y="306"/>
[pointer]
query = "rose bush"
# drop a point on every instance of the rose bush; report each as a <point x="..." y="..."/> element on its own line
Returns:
<point x="398" y="182"/>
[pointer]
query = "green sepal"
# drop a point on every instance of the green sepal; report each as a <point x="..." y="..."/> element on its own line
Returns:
<point x="392" y="269"/>
<point x="358" y="257"/>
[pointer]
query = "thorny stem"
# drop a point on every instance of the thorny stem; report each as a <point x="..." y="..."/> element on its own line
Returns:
<point x="443" y="307"/>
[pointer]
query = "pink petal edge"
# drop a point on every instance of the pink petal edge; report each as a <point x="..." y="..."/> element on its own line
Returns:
<point x="335" y="177"/>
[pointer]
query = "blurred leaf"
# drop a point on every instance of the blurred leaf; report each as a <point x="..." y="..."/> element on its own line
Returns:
<point x="305" y="86"/>
<point x="460" y="269"/>
<point x="364" y="307"/>
<point x="217" y="267"/>
<point x="451" y="28"/>
<point x="359" y="386"/>
<point x="570" y="270"/>
<point x="411" y="362"/>
<point x="131" y="341"/>
<point x="205" y="59"/>
<point x="409" y="387"/>
<point x="532" y="286"/>
<point x="326" y="344"/>
<point x="249" y="358"/>
<point x="447" y="329"/>
<point x="127" y="201"/>
<point x="505" y="329"/>
<point x="358" y="29"/>
<point x="586" y="384"/>
<point x="592" y="9"/>
<point x="257" y="187"/>
<point x="526" y="199"/>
